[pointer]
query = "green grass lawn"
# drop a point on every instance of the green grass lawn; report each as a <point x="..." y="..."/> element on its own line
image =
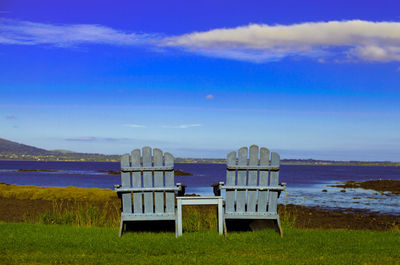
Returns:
<point x="37" y="243"/>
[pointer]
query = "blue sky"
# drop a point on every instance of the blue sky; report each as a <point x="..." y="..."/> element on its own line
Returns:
<point x="308" y="79"/>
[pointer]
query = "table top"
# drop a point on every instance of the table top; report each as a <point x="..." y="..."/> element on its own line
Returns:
<point x="199" y="197"/>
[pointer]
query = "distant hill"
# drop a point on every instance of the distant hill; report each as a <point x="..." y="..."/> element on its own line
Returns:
<point x="10" y="150"/>
<point x="8" y="147"/>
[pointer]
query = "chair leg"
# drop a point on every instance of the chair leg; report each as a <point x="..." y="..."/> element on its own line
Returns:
<point x="225" y="230"/>
<point x="121" y="228"/>
<point x="278" y="226"/>
<point x="176" y="227"/>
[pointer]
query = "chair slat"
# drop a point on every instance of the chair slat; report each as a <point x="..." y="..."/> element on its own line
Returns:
<point x="137" y="183"/>
<point x="263" y="180"/>
<point x="241" y="180"/>
<point x="158" y="181"/>
<point x="147" y="180"/>
<point x="252" y="181"/>
<point x="169" y="182"/>
<point x="126" y="183"/>
<point x="274" y="181"/>
<point x="230" y="181"/>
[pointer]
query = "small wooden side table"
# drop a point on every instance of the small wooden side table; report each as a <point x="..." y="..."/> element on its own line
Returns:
<point x="199" y="200"/>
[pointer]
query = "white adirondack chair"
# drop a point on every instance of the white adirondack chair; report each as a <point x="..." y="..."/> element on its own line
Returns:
<point x="154" y="197"/>
<point x="252" y="185"/>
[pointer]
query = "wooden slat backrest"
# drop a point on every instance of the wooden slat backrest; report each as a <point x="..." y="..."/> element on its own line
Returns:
<point x="153" y="201"/>
<point x="252" y="173"/>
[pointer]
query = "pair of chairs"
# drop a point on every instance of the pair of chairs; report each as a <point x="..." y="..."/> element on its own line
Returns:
<point x="252" y="186"/>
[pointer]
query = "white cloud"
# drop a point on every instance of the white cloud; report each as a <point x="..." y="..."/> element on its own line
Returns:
<point x="135" y="126"/>
<point x="354" y="39"/>
<point x="183" y="126"/>
<point x="209" y="96"/>
<point x="61" y="35"/>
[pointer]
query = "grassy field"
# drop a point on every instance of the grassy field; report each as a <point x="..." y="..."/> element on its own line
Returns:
<point x="24" y="243"/>
<point x="80" y="226"/>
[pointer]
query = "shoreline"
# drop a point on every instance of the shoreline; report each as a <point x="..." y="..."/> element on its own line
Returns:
<point x="328" y="163"/>
<point x="381" y="185"/>
<point x="25" y="203"/>
<point x="302" y="217"/>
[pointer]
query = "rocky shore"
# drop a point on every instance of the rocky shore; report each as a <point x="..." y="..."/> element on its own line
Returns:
<point x="392" y="186"/>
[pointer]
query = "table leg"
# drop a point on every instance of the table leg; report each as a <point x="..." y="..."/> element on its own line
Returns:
<point x="179" y="218"/>
<point x="220" y="217"/>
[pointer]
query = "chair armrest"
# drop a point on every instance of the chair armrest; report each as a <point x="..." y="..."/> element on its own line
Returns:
<point x="217" y="188"/>
<point x="283" y="184"/>
<point x="116" y="187"/>
<point x="182" y="189"/>
<point x="146" y="189"/>
<point x="261" y="188"/>
<point x="179" y="187"/>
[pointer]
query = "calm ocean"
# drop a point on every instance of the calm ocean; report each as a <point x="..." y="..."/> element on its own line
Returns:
<point x="305" y="183"/>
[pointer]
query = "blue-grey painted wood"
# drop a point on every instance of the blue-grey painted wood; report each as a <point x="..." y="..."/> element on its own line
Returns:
<point x="263" y="206"/>
<point x="199" y="200"/>
<point x="241" y="180"/>
<point x="263" y="180"/>
<point x="247" y="215"/>
<point x="154" y="189"/>
<point x="126" y="183"/>
<point x="141" y="168"/>
<point x="169" y="182"/>
<point x="276" y="188"/>
<point x="252" y="181"/>
<point x="247" y="167"/>
<point x="274" y="181"/>
<point x="148" y="217"/>
<point x="147" y="180"/>
<point x="148" y="192"/>
<point x="230" y="181"/>
<point x="158" y="181"/>
<point x="137" y="183"/>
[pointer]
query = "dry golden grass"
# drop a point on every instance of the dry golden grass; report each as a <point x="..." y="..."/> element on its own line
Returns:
<point x="57" y="193"/>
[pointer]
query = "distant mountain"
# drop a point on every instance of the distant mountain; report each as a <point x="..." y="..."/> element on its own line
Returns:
<point x="8" y="147"/>
<point x="10" y="150"/>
